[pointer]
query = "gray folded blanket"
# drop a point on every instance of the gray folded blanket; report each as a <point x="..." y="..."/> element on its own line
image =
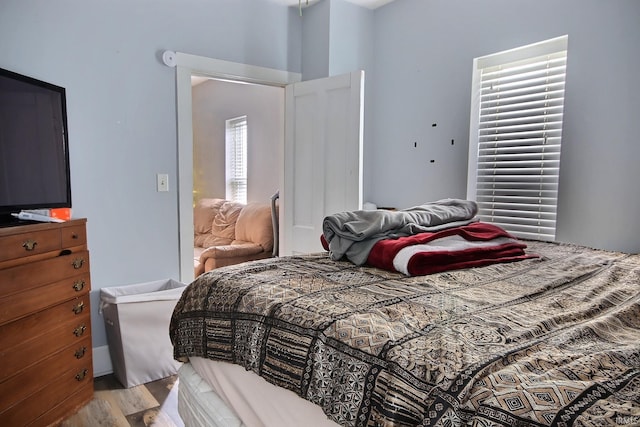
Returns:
<point x="353" y="234"/>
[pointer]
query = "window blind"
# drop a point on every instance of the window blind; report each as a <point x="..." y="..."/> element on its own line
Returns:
<point x="518" y="134"/>
<point x="236" y="159"/>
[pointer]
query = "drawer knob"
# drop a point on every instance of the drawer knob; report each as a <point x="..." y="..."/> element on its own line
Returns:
<point x="78" y="263"/>
<point x="79" y="330"/>
<point x="78" y="285"/>
<point x="77" y="309"/>
<point x="29" y="245"/>
<point x="82" y="374"/>
<point x="74" y="236"/>
<point x="80" y="352"/>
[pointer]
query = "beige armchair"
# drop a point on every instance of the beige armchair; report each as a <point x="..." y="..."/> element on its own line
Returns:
<point x="227" y="233"/>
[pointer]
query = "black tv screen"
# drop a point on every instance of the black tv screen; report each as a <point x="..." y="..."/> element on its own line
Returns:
<point x="34" y="145"/>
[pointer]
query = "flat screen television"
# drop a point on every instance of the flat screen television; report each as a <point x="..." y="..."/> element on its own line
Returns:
<point x="34" y="145"/>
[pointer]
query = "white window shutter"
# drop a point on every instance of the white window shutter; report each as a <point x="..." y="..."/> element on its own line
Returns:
<point x="515" y="138"/>
<point x="236" y="159"/>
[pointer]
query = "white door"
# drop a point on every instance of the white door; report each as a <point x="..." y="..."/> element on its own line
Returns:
<point x="322" y="157"/>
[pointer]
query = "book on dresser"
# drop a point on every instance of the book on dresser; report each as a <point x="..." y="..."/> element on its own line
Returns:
<point x="46" y="371"/>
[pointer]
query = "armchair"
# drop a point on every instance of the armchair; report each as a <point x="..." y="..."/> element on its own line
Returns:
<point x="227" y="233"/>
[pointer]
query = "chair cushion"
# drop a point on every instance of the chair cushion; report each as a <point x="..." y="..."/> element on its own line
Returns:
<point x="224" y="223"/>
<point x="211" y="240"/>
<point x="203" y="214"/>
<point x="254" y="225"/>
<point x="237" y="250"/>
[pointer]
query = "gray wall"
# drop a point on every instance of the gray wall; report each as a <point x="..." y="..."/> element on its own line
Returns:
<point x="338" y="37"/>
<point x="423" y="62"/>
<point x="122" y="115"/>
<point x="316" y="31"/>
<point x="121" y="108"/>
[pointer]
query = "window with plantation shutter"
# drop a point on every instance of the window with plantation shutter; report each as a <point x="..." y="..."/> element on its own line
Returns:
<point x="515" y="137"/>
<point x="236" y="159"/>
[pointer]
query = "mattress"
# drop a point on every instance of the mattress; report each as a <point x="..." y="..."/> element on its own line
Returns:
<point x="222" y="394"/>
<point x="553" y="340"/>
<point x="198" y="403"/>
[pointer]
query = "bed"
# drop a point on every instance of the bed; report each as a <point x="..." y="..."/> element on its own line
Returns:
<point x="551" y="338"/>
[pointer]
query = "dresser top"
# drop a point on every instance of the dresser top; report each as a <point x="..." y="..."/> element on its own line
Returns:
<point x="27" y="227"/>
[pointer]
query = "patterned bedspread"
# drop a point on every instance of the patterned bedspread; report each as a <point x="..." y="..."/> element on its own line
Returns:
<point x="539" y="342"/>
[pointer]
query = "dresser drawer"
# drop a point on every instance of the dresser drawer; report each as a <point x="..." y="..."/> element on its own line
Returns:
<point x="39" y="273"/>
<point x="71" y="405"/>
<point x="22" y="344"/>
<point x="74" y="236"/>
<point x="44" y="399"/>
<point x="20" y="386"/>
<point x="36" y="299"/>
<point x="30" y="243"/>
<point x="15" y="333"/>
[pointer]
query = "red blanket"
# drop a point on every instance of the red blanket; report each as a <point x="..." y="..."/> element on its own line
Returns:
<point x="472" y="245"/>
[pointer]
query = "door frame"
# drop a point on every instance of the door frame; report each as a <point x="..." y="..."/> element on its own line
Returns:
<point x="186" y="66"/>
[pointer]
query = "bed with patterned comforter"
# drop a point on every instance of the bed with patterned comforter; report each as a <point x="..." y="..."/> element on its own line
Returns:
<point x="553" y="340"/>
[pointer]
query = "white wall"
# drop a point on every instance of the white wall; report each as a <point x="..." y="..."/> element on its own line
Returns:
<point x="121" y="108"/>
<point x="215" y="101"/>
<point x="423" y="61"/>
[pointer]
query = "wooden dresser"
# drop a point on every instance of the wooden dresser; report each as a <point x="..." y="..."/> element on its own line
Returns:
<point x="46" y="371"/>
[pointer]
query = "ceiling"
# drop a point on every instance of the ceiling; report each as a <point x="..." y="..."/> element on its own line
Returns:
<point x="369" y="4"/>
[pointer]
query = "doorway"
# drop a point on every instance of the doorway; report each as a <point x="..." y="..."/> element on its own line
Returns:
<point x="186" y="67"/>
<point x="214" y="102"/>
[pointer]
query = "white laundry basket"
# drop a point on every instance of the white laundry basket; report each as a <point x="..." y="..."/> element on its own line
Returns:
<point x="137" y="320"/>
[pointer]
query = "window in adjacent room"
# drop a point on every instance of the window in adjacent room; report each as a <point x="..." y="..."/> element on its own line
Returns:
<point x="236" y="159"/>
<point x="515" y="136"/>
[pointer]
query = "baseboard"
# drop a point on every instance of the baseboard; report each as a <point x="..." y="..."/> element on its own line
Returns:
<point x="101" y="361"/>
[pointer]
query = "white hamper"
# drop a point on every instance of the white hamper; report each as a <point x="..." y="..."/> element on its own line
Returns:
<point x="137" y="320"/>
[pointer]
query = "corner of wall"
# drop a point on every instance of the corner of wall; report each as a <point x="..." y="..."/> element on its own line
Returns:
<point x="101" y="361"/>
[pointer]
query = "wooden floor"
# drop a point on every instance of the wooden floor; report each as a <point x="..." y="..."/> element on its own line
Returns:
<point x="152" y="404"/>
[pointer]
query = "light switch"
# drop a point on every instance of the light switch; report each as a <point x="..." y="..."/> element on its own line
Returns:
<point x="163" y="182"/>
